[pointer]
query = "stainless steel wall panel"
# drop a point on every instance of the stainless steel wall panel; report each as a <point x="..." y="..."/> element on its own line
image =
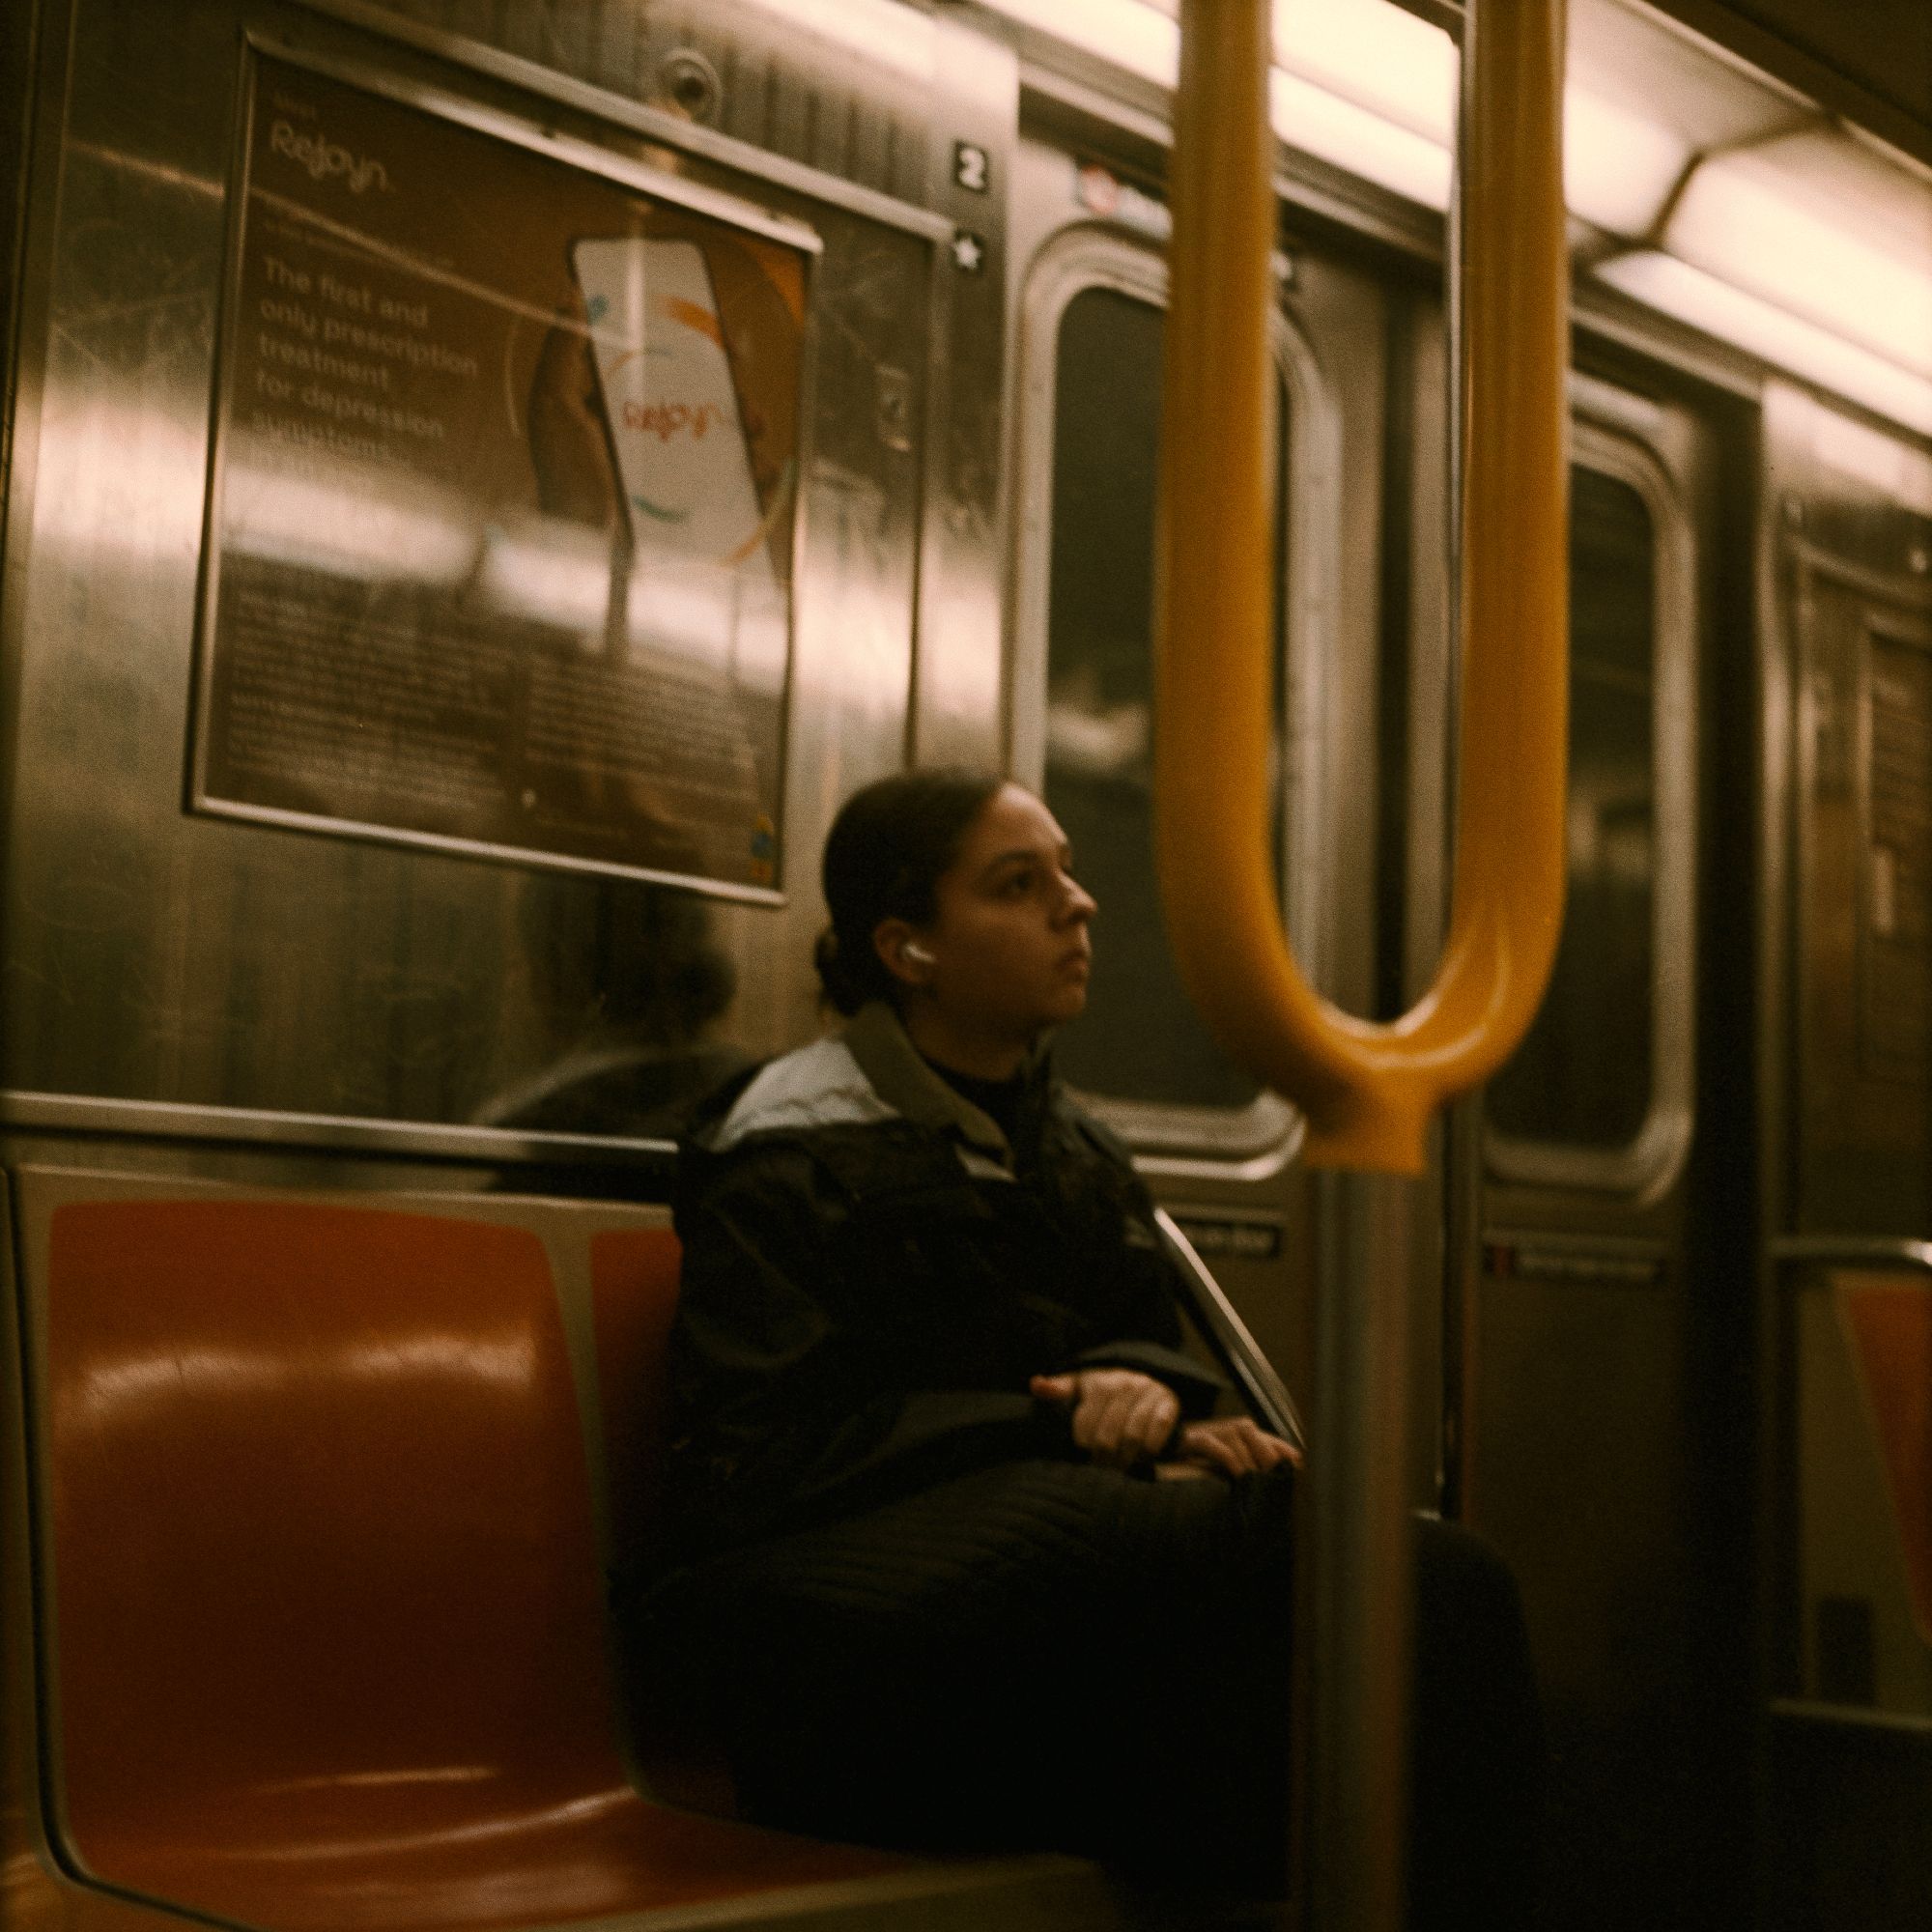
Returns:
<point x="613" y="49"/>
<point x="1651" y="453"/>
<point x="1578" y="1338"/>
<point x="154" y="955"/>
<point x="20" y="40"/>
<point x="749" y="83"/>
<point x="849" y="90"/>
<point x="960" y="684"/>
<point x="567" y="33"/>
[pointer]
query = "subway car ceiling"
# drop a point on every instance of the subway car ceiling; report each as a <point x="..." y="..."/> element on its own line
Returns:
<point x="1703" y="188"/>
<point x="1699" y="189"/>
<point x="1872" y="62"/>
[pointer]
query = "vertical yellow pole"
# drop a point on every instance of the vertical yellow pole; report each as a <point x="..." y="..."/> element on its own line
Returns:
<point x="1368" y="1089"/>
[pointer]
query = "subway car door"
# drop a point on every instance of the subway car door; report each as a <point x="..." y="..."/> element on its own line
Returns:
<point x="1575" y="1312"/>
<point x="1088" y="230"/>
<point x="1847" y="1280"/>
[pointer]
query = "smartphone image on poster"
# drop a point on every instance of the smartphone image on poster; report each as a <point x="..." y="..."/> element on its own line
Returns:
<point x="675" y="427"/>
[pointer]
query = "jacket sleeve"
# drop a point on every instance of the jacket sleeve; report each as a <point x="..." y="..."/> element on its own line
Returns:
<point x="1198" y="1389"/>
<point x="781" y="1413"/>
<point x="1150" y="1334"/>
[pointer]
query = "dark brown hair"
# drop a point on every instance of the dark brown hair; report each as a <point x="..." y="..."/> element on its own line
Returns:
<point x="883" y="859"/>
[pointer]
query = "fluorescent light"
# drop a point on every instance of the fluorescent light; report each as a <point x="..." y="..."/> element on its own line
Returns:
<point x="710" y="620"/>
<point x="346" y="519"/>
<point x="1127" y="33"/>
<point x="543" y="568"/>
<point x="885" y="30"/>
<point x="1363" y="84"/>
<point x="1821" y="256"/>
<point x="1106" y="744"/>
<point x="1787" y="340"/>
<point x="1352" y="138"/>
<point x="1377" y="56"/>
<point x="1807" y="250"/>
<point x="1618" y="168"/>
<point x="1898" y="472"/>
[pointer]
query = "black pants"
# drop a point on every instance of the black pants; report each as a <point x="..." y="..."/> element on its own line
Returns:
<point x="1055" y="1656"/>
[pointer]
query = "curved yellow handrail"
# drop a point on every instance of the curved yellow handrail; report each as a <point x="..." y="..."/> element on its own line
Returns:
<point x="1368" y="1089"/>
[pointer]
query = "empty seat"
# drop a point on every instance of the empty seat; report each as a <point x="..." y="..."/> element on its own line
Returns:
<point x="329" y="1626"/>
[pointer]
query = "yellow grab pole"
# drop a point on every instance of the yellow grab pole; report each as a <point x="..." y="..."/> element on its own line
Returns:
<point x="1368" y="1089"/>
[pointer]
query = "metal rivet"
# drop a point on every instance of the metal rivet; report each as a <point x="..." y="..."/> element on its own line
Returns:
<point x="691" y="84"/>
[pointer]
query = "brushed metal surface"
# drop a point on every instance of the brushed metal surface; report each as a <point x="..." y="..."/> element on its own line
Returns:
<point x="846" y="93"/>
<point x="152" y="955"/>
<point x="959" y="676"/>
<point x="1850" y="1251"/>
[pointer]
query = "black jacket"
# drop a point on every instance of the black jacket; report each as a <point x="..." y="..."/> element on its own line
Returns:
<point x="873" y="1274"/>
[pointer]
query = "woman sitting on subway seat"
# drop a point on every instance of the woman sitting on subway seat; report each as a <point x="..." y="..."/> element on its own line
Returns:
<point x="966" y="1557"/>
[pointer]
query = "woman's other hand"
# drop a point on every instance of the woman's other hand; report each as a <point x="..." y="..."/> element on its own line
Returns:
<point x="1233" y="1446"/>
<point x="1121" y="1416"/>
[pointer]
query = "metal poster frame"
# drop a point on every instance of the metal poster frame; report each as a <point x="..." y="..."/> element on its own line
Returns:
<point x="661" y="187"/>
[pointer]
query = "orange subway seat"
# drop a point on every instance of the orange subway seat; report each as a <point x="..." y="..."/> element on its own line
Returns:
<point x="634" y="1296"/>
<point x="1891" y="1328"/>
<point x="331" y="1640"/>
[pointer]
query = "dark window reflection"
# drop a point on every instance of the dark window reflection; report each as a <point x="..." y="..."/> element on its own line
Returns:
<point x="1582" y="1077"/>
<point x="1141" y="1039"/>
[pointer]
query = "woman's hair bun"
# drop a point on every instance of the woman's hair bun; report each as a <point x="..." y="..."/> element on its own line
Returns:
<point x="835" y="975"/>
<point x="883" y="860"/>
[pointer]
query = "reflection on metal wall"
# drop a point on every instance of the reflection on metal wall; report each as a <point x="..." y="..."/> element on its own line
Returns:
<point x="1090" y="304"/>
<point x="1895" y="854"/>
<point x="1582" y="1075"/>
<point x="157" y="955"/>
<point x="1847" y="953"/>
<point x="1599" y="1095"/>
<point x="1141" y="1039"/>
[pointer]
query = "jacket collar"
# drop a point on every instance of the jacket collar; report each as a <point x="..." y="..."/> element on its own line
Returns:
<point x="899" y="1076"/>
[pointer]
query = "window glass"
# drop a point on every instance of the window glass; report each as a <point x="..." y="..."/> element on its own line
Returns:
<point x="1583" y="1075"/>
<point x="1141" y="1040"/>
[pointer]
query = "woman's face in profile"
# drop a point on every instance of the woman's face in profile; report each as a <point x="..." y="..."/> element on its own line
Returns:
<point x="1008" y="944"/>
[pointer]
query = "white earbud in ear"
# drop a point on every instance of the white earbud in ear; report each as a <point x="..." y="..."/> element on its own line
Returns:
<point x="915" y="951"/>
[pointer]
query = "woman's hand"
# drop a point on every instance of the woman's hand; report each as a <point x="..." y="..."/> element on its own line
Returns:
<point x="1121" y="1416"/>
<point x="1233" y="1446"/>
